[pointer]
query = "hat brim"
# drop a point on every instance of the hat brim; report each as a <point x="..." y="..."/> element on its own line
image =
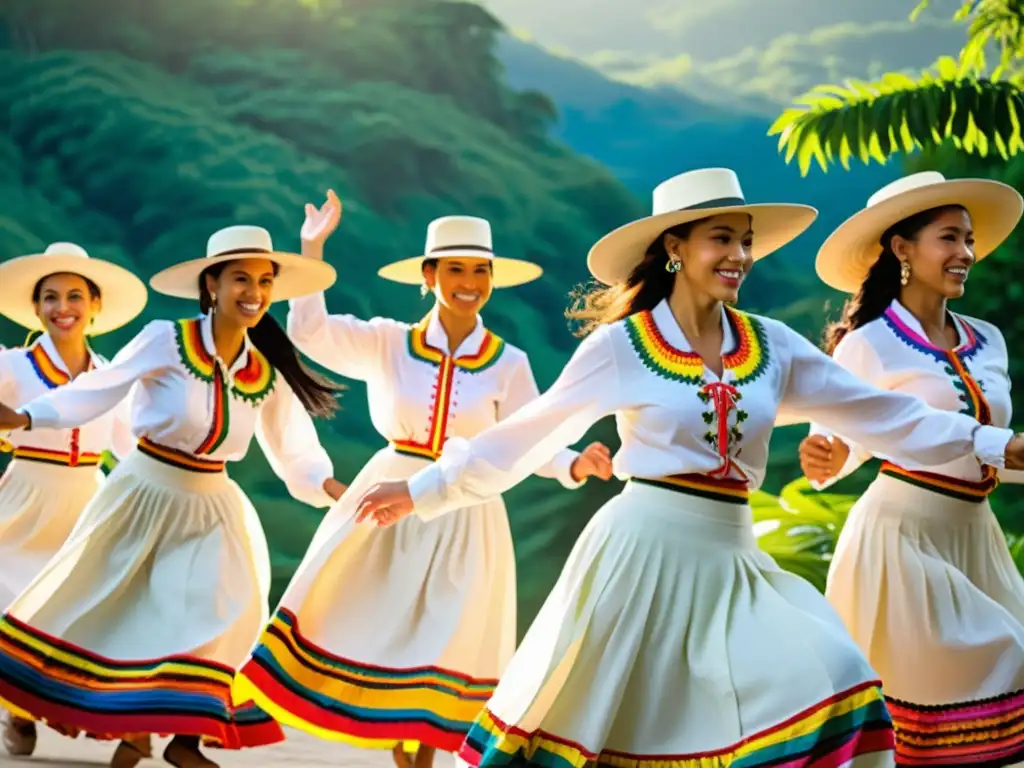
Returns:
<point x="123" y="296"/>
<point x="847" y="255"/>
<point x="614" y="257"/>
<point x="507" y="272"/>
<point x="297" y="275"/>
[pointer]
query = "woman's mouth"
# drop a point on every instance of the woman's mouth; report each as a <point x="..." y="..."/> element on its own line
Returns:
<point x="466" y="297"/>
<point x="64" y="322"/>
<point x="959" y="273"/>
<point x="730" y="277"/>
<point x="249" y="309"/>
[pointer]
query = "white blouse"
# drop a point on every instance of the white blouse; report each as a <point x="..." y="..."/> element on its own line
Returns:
<point x="184" y="397"/>
<point x="893" y="352"/>
<point x="29" y="372"/>
<point x="422" y="394"/>
<point x="669" y="408"/>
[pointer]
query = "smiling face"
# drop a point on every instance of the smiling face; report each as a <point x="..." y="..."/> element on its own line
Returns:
<point x="715" y="255"/>
<point x="461" y="285"/>
<point x="65" y="305"/>
<point x="243" y="290"/>
<point x="940" y="254"/>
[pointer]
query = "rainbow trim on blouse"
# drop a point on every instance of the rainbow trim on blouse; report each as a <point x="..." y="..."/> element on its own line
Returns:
<point x="252" y="383"/>
<point x="828" y="735"/>
<point x="489" y="352"/>
<point x="46" y="369"/>
<point x="75" y="691"/>
<point x="988" y="732"/>
<point x="303" y="686"/>
<point x="748" y="359"/>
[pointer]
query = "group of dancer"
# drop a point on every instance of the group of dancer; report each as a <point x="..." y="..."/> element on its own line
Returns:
<point x="134" y="574"/>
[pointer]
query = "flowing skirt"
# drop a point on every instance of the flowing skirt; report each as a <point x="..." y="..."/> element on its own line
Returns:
<point x="39" y="505"/>
<point x="926" y="585"/>
<point x="394" y="635"/>
<point x="671" y="641"/>
<point x="138" y="623"/>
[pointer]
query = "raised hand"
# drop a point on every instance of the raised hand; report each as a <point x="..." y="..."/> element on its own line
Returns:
<point x="321" y="222"/>
<point x="594" y="461"/>
<point x="821" y="458"/>
<point x="385" y="503"/>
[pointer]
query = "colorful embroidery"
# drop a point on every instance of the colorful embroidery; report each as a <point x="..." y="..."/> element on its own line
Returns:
<point x="46" y="369"/>
<point x="489" y="352"/>
<point x="74" y="691"/>
<point x="221" y="418"/>
<point x="252" y="383"/>
<point x="108" y="463"/>
<point x="304" y="686"/>
<point x="704" y="486"/>
<point x="829" y="735"/>
<point x="988" y="732"/>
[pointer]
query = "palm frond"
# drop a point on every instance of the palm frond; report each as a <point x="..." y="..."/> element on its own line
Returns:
<point x="873" y="121"/>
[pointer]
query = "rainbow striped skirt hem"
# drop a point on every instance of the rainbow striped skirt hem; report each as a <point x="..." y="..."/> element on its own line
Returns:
<point x="306" y="687"/>
<point x="77" y="692"/>
<point x="848" y="725"/>
<point x="987" y="733"/>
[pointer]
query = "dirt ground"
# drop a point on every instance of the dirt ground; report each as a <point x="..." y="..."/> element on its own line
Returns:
<point x="299" y="751"/>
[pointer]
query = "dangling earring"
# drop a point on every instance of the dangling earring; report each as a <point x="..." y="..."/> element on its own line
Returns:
<point x="904" y="273"/>
<point x="213" y="303"/>
<point x="424" y="290"/>
<point x="673" y="265"/>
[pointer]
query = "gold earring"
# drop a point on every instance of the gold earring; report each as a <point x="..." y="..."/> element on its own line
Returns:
<point x="904" y="273"/>
<point x="673" y="265"/>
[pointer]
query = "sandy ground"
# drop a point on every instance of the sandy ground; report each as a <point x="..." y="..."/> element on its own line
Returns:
<point x="298" y="751"/>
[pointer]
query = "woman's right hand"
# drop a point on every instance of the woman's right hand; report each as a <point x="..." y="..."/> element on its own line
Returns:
<point x="11" y="419"/>
<point x="822" y="458"/>
<point x="320" y="224"/>
<point x="1015" y="452"/>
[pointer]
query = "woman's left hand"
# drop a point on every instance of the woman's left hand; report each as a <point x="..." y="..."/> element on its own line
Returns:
<point x="11" y="419"/>
<point x="386" y="503"/>
<point x="321" y="222"/>
<point x="594" y="461"/>
<point x="333" y="488"/>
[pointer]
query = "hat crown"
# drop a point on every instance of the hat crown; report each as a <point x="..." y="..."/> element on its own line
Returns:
<point x="455" y="233"/>
<point x="906" y="184"/>
<point x="703" y="188"/>
<point x="240" y="238"/>
<point x="65" y="249"/>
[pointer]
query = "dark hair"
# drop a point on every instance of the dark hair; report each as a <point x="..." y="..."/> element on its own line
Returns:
<point x="37" y="291"/>
<point x="882" y="285"/>
<point x="646" y="286"/>
<point x="318" y="394"/>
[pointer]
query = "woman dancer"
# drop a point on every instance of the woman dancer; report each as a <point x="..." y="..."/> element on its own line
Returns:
<point x="922" y="575"/>
<point x="160" y="591"/>
<point x="62" y="296"/>
<point x="669" y="637"/>
<point x="392" y="639"/>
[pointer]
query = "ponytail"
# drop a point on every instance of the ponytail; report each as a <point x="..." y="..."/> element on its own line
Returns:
<point x="318" y="394"/>
<point x="882" y="285"/>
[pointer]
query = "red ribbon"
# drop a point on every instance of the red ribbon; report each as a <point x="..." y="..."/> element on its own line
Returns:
<point x="723" y="398"/>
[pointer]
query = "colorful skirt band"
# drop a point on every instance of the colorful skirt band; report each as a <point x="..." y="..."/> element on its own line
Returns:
<point x="338" y="699"/>
<point x="848" y="725"/>
<point x="43" y="678"/>
<point x="952" y="487"/>
<point x="989" y="733"/>
<point x="61" y="458"/>
<point x="702" y="486"/>
<point x="180" y="459"/>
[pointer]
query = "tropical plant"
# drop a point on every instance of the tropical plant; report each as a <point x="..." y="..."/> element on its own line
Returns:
<point x="975" y="103"/>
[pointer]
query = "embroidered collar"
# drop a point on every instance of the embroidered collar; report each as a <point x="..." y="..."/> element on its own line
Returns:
<point x="663" y="348"/>
<point x="49" y="365"/>
<point x="480" y="350"/>
<point x="908" y="329"/>
<point x="252" y="377"/>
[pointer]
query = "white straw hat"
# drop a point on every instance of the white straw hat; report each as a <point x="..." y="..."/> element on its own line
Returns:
<point x="689" y="197"/>
<point x="123" y="295"/>
<point x="468" y="237"/>
<point x="298" y="275"/>
<point x="848" y="254"/>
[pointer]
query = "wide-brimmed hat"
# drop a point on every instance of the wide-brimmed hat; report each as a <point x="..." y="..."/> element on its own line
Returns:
<point x="468" y="237"/>
<point x="297" y="275"/>
<point x="846" y="257"/>
<point x="123" y="295"/>
<point x="689" y="197"/>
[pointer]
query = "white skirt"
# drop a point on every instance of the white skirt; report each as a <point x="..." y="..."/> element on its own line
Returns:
<point x="926" y="585"/>
<point x="394" y="635"/>
<point x="671" y="640"/>
<point x="140" y="620"/>
<point x="39" y="505"/>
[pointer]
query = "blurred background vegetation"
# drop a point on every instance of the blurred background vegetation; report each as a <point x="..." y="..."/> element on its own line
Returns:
<point x="137" y="129"/>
